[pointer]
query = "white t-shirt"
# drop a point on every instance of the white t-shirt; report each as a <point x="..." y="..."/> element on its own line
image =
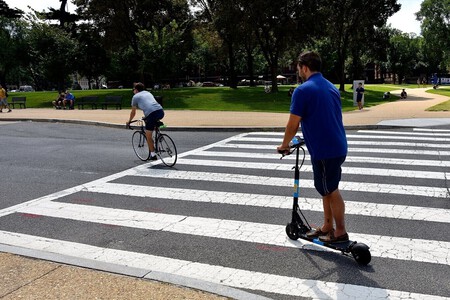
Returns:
<point x="146" y="102"/>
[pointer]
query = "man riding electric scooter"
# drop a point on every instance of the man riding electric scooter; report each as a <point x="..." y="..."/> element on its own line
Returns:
<point x="316" y="104"/>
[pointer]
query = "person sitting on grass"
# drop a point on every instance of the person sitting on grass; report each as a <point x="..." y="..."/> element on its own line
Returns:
<point x="59" y="101"/>
<point x="403" y="94"/>
<point x="69" y="98"/>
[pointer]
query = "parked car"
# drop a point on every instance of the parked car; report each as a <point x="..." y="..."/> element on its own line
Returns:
<point x="26" y="88"/>
<point x="208" y="84"/>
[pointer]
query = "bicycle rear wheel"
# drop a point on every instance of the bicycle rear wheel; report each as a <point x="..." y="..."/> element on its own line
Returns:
<point x="166" y="150"/>
<point x="140" y="146"/>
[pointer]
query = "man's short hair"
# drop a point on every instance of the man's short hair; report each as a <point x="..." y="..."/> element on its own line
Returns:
<point x="310" y="59"/>
<point x="139" y="86"/>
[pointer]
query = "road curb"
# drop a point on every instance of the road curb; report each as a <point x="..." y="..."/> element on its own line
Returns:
<point x="145" y="274"/>
<point x="192" y="128"/>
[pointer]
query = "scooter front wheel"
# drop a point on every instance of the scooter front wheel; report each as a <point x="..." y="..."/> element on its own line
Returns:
<point x="292" y="231"/>
<point x="361" y="253"/>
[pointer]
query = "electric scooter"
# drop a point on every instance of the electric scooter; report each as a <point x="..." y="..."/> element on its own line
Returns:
<point x="299" y="226"/>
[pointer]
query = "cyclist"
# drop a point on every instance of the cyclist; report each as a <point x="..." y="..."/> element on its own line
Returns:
<point x="152" y="110"/>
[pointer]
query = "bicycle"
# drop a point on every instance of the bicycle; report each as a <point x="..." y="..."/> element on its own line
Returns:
<point x="164" y="145"/>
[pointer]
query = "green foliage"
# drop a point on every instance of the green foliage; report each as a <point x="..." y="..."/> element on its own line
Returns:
<point x="13" y="51"/>
<point x="163" y="41"/>
<point x="351" y="27"/>
<point x="435" y="17"/>
<point x="91" y="57"/>
<point x="52" y="55"/>
<point x="402" y="54"/>
<point x="161" y="47"/>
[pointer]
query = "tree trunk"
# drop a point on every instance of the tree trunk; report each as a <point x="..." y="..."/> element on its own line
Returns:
<point x="274" y="70"/>
<point x="233" y="76"/>
<point x="250" y="67"/>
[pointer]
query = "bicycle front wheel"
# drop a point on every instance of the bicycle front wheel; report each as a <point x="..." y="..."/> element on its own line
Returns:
<point x="166" y="150"/>
<point x="140" y="146"/>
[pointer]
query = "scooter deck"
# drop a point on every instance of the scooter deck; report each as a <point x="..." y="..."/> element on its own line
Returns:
<point x="341" y="246"/>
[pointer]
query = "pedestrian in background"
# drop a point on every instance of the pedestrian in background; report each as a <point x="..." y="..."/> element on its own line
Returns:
<point x="359" y="95"/>
<point x="4" y="99"/>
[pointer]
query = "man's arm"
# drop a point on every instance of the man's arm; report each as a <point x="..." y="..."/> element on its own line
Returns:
<point x="132" y="114"/>
<point x="290" y="132"/>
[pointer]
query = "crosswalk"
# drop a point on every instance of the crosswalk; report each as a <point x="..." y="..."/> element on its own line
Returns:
<point x="220" y="216"/>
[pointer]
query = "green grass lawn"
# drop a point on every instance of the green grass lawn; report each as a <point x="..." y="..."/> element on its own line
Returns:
<point x="220" y="98"/>
<point x="444" y="106"/>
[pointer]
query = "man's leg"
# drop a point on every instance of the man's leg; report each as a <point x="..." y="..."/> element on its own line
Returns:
<point x="149" y="136"/>
<point x="327" y="214"/>
<point x="337" y="207"/>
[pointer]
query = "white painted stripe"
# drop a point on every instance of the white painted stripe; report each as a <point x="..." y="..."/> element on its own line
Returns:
<point x="356" y="159"/>
<point x="238" y="278"/>
<point x="396" y="137"/>
<point x="431" y="130"/>
<point x="398" y="144"/>
<point x="308" y="168"/>
<point x="428" y="251"/>
<point x="397" y="161"/>
<point x="364" y="187"/>
<point x="399" y="135"/>
<point x="403" y="133"/>
<point x="351" y="142"/>
<point x="350" y="149"/>
<point x="69" y="191"/>
<point x="283" y="202"/>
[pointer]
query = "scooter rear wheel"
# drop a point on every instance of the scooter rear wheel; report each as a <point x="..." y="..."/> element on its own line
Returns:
<point x="292" y="231"/>
<point x="361" y="253"/>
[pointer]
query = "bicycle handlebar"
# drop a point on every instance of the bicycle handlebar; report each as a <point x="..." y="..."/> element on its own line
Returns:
<point x="132" y="127"/>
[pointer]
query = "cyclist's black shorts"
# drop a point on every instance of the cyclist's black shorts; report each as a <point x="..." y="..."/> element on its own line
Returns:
<point x="152" y="118"/>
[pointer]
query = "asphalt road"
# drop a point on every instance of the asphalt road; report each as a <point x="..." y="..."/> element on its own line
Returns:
<point x="220" y="214"/>
<point x="43" y="158"/>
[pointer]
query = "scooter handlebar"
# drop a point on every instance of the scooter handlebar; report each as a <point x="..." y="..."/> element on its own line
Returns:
<point x="295" y="143"/>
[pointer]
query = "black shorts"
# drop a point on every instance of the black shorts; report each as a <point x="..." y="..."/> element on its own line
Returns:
<point x="327" y="174"/>
<point x="152" y="118"/>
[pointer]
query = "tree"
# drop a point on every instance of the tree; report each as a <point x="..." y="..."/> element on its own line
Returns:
<point x="119" y="22"/>
<point x="10" y="31"/>
<point x="206" y="55"/>
<point x="92" y="59"/>
<point x="65" y="18"/>
<point x="9" y="13"/>
<point x="13" y="54"/>
<point x="402" y="55"/>
<point x="225" y="17"/>
<point x="351" y="23"/>
<point x="52" y="54"/>
<point x="279" y="25"/>
<point x="435" y="18"/>
<point x="161" y="47"/>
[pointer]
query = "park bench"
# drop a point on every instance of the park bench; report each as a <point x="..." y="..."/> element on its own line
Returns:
<point x="21" y="101"/>
<point x="112" y="100"/>
<point x="93" y="101"/>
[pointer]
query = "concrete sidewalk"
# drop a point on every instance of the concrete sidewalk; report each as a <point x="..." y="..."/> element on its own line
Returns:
<point x="30" y="278"/>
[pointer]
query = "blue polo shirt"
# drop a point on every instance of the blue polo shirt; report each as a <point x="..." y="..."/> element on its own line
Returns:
<point x="318" y="102"/>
